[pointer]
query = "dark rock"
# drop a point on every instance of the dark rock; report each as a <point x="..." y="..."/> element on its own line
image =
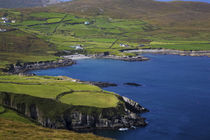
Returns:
<point x="21" y="68"/>
<point x="103" y="84"/>
<point x="133" y="84"/>
<point x="133" y="106"/>
<point x="33" y="112"/>
<point x="133" y="59"/>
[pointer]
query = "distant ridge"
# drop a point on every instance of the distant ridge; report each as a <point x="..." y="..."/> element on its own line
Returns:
<point x="184" y="14"/>
<point x="26" y="3"/>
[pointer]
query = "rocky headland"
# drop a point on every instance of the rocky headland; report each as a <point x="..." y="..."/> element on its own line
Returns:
<point x="54" y="114"/>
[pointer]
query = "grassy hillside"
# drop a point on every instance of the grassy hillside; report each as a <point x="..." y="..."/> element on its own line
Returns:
<point x="14" y="126"/>
<point x="17" y="45"/>
<point x="25" y="3"/>
<point x="43" y="32"/>
<point x="164" y="13"/>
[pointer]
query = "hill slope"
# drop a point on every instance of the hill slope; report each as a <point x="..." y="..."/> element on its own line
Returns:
<point x="25" y="3"/>
<point x="162" y="13"/>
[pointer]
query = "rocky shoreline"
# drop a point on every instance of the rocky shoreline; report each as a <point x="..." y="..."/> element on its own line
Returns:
<point x="22" y="68"/>
<point x="104" y="56"/>
<point x="123" y="58"/>
<point x="168" y="51"/>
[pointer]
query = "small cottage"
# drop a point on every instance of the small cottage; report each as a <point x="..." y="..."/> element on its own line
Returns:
<point x="4" y="18"/>
<point x="124" y="45"/>
<point x="3" y="30"/>
<point x="77" y="47"/>
<point x="13" y="21"/>
<point x="86" y="22"/>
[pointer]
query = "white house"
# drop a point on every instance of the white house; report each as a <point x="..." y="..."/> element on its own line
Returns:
<point x="77" y="47"/>
<point x="124" y="45"/>
<point x="4" y="18"/>
<point x="13" y="21"/>
<point x="3" y="30"/>
<point x="87" y="23"/>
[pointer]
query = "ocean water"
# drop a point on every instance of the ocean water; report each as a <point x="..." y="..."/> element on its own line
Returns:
<point x="176" y="90"/>
<point x="208" y="1"/>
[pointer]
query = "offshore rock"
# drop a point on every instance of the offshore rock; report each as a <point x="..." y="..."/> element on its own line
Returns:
<point x="132" y="84"/>
<point x="100" y="84"/>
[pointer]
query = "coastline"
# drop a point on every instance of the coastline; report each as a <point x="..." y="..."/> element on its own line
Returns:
<point x="22" y="68"/>
<point x="114" y="57"/>
<point x="125" y="115"/>
<point x="129" y="116"/>
<point x="169" y="51"/>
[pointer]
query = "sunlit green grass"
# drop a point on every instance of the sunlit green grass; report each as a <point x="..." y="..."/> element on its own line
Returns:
<point x="96" y="99"/>
<point x="183" y="45"/>
<point x="51" y="87"/>
<point x="41" y="87"/>
<point x="52" y="20"/>
<point x="31" y="22"/>
<point x="47" y="15"/>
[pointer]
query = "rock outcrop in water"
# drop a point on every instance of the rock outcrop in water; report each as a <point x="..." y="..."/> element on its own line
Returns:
<point x="133" y="106"/>
<point x="21" y="68"/>
<point x="100" y="84"/>
<point x="132" y="84"/>
<point x="53" y="114"/>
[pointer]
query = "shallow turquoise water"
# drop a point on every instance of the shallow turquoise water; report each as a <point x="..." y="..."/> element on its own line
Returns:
<point x="176" y="90"/>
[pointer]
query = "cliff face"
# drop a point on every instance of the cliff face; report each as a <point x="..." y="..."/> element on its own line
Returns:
<point x="53" y="114"/>
<point x="20" y="68"/>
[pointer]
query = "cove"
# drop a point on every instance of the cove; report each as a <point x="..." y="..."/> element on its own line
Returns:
<point x="176" y="90"/>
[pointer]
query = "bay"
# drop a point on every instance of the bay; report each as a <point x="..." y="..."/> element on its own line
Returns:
<point x="176" y="90"/>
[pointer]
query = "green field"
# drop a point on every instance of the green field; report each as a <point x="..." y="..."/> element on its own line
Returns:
<point x="51" y="87"/>
<point x="182" y="45"/>
<point x="96" y="99"/>
<point x="47" y="15"/>
<point x="52" y="20"/>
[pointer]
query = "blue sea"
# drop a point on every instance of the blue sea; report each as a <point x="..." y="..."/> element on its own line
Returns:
<point x="176" y="90"/>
